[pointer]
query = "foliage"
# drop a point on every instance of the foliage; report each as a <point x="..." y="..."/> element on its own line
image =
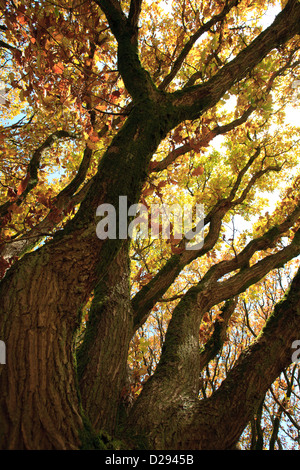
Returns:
<point x="68" y="96"/>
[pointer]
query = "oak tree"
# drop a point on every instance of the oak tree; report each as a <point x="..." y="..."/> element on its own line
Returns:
<point x="181" y="102"/>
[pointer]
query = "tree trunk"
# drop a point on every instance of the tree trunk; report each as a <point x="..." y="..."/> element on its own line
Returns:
<point x="41" y="295"/>
<point x="40" y="406"/>
<point x="102" y="357"/>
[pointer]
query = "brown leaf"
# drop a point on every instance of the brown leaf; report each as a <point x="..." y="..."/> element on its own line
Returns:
<point x="198" y="171"/>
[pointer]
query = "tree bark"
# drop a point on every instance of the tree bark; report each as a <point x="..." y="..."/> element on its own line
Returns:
<point x="40" y="407"/>
<point x="102" y="357"/>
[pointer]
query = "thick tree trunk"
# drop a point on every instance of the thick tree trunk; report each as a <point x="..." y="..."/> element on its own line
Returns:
<point x="162" y="409"/>
<point x="40" y="407"/>
<point x="41" y="295"/>
<point x="102" y="357"/>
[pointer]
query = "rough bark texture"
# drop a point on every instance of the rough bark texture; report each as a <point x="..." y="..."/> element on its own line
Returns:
<point x="43" y="402"/>
<point x="39" y="401"/>
<point x="102" y="357"/>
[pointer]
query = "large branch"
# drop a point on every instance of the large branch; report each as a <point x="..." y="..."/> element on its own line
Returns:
<point x="4" y="45"/>
<point x="31" y="178"/>
<point x="134" y="12"/>
<point x="179" y="416"/>
<point x="209" y="292"/>
<point x="181" y="347"/>
<point x="61" y="205"/>
<point x="193" y="101"/>
<point x="246" y="384"/>
<point x="136" y="80"/>
<point x="202" y="141"/>
<point x="221" y="130"/>
<point x="146" y="298"/>
<point x="193" y="39"/>
<point x="151" y="293"/>
<point x="214" y="344"/>
<point x="249" y="275"/>
<point x="242" y="259"/>
<point x="115" y="16"/>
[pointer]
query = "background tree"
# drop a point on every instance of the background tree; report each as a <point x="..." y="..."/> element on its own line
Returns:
<point x="152" y="343"/>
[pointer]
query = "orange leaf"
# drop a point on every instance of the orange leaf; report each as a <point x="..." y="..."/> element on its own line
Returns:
<point x="58" y="68"/>
<point x="93" y="137"/>
<point x="23" y="185"/>
<point x="21" y="19"/>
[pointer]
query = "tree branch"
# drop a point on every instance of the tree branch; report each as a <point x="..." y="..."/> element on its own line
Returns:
<point x="65" y="201"/>
<point x="254" y="372"/>
<point x="136" y="80"/>
<point x="188" y="46"/>
<point x="240" y="394"/>
<point x="4" y="45"/>
<point x="214" y="345"/>
<point x="193" y="101"/>
<point x="258" y="244"/>
<point x="146" y="298"/>
<point x="134" y="12"/>
<point x="31" y="178"/>
<point x="189" y="146"/>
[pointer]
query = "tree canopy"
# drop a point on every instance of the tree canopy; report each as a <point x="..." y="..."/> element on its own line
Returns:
<point x="131" y="342"/>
